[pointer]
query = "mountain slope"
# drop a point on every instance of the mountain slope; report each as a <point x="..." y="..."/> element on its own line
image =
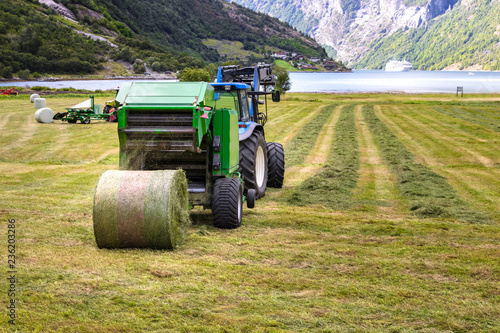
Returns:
<point x="161" y="34"/>
<point x="465" y="38"/>
<point x="371" y="32"/>
<point x="32" y="40"/>
<point x="185" y="22"/>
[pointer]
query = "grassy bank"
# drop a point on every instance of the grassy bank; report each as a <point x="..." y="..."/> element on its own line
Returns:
<point x="360" y="261"/>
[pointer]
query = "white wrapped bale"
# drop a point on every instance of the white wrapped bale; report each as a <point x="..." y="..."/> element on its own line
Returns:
<point x="33" y="97"/>
<point x="141" y="209"/>
<point x="40" y="103"/>
<point x="44" y="115"/>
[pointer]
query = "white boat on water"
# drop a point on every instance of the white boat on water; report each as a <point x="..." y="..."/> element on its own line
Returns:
<point x="398" y="66"/>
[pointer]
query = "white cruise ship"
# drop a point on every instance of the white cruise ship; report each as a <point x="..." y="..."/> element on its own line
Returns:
<point x="398" y="66"/>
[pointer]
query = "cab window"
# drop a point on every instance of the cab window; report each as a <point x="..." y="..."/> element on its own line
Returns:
<point x="245" y="111"/>
<point x="228" y="100"/>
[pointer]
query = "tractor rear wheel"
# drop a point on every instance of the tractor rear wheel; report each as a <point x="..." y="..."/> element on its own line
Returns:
<point x="105" y="110"/>
<point x="113" y="116"/>
<point x="227" y="203"/>
<point x="275" y="164"/>
<point x="253" y="163"/>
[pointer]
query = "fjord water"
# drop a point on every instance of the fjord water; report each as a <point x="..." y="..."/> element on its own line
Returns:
<point x="357" y="81"/>
<point x="405" y="82"/>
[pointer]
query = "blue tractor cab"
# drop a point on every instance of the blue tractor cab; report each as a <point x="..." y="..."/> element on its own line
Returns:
<point x="261" y="164"/>
<point x="234" y="95"/>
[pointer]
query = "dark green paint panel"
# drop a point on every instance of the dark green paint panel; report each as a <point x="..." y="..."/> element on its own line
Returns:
<point x="226" y="126"/>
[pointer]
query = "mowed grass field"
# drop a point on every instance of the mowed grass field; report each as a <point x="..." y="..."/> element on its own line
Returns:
<point x="389" y="221"/>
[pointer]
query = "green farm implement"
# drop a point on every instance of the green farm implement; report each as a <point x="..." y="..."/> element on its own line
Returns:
<point x="86" y="111"/>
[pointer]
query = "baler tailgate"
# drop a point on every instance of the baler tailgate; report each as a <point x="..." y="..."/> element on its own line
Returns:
<point x="164" y="129"/>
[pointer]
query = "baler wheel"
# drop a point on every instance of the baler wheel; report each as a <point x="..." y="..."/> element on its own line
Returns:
<point x="253" y="163"/>
<point x="227" y="203"/>
<point x="72" y="121"/>
<point x="275" y="165"/>
<point x="251" y="198"/>
<point x="85" y="121"/>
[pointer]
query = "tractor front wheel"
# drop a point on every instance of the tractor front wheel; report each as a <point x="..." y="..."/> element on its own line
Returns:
<point x="253" y="163"/>
<point x="227" y="203"/>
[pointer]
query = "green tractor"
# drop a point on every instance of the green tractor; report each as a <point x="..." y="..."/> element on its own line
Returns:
<point x="208" y="130"/>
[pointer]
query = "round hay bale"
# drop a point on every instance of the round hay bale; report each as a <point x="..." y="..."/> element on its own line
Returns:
<point x="44" y="115"/>
<point x="40" y="103"/>
<point x="33" y="97"/>
<point x="141" y="209"/>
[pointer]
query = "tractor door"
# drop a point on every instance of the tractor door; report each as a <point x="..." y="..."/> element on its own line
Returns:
<point x="244" y="107"/>
<point x="227" y="99"/>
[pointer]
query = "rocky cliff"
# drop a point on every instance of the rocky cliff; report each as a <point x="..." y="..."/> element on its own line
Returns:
<point x="348" y="27"/>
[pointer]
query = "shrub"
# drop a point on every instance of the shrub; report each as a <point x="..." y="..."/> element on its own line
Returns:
<point x="194" y="74"/>
<point x="40" y="88"/>
<point x="283" y="83"/>
<point x="24" y="74"/>
<point x="139" y="66"/>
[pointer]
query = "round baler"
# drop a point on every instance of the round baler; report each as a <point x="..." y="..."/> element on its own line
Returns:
<point x="182" y="145"/>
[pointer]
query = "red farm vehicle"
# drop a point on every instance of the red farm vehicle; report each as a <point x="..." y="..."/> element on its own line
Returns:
<point x="8" y="91"/>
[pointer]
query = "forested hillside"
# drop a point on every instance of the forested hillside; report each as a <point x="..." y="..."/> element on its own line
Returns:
<point x="158" y="34"/>
<point x="185" y="23"/>
<point x="469" y="37"/>
<point x="32" y="40"/>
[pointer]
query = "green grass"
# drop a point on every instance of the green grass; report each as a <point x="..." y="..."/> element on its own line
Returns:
<point x="333" y="185"/>
<point x="300" y="146"/>
<point x="288" y="268"/>
<point x="285" y="64"/>
<point x="112" y="68"/>
<point x="231" y="49"/>
<point x="428" y="193"/>
<point x="489" y="119"/>
<point x="290" y="68"/>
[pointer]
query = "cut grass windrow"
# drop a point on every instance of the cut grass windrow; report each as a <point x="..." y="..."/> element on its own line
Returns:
<point x="333" y="185"/>
<point x="475" y="116"/>
<point x="301" y="145"/>
<point x="429" y="194"/>
<point x="376" y="189"/>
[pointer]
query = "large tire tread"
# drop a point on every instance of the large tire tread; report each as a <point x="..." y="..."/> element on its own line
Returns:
<point x="275" y="165"/>
<point x="248" y="150"/>
<point x="227" y="203"/>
